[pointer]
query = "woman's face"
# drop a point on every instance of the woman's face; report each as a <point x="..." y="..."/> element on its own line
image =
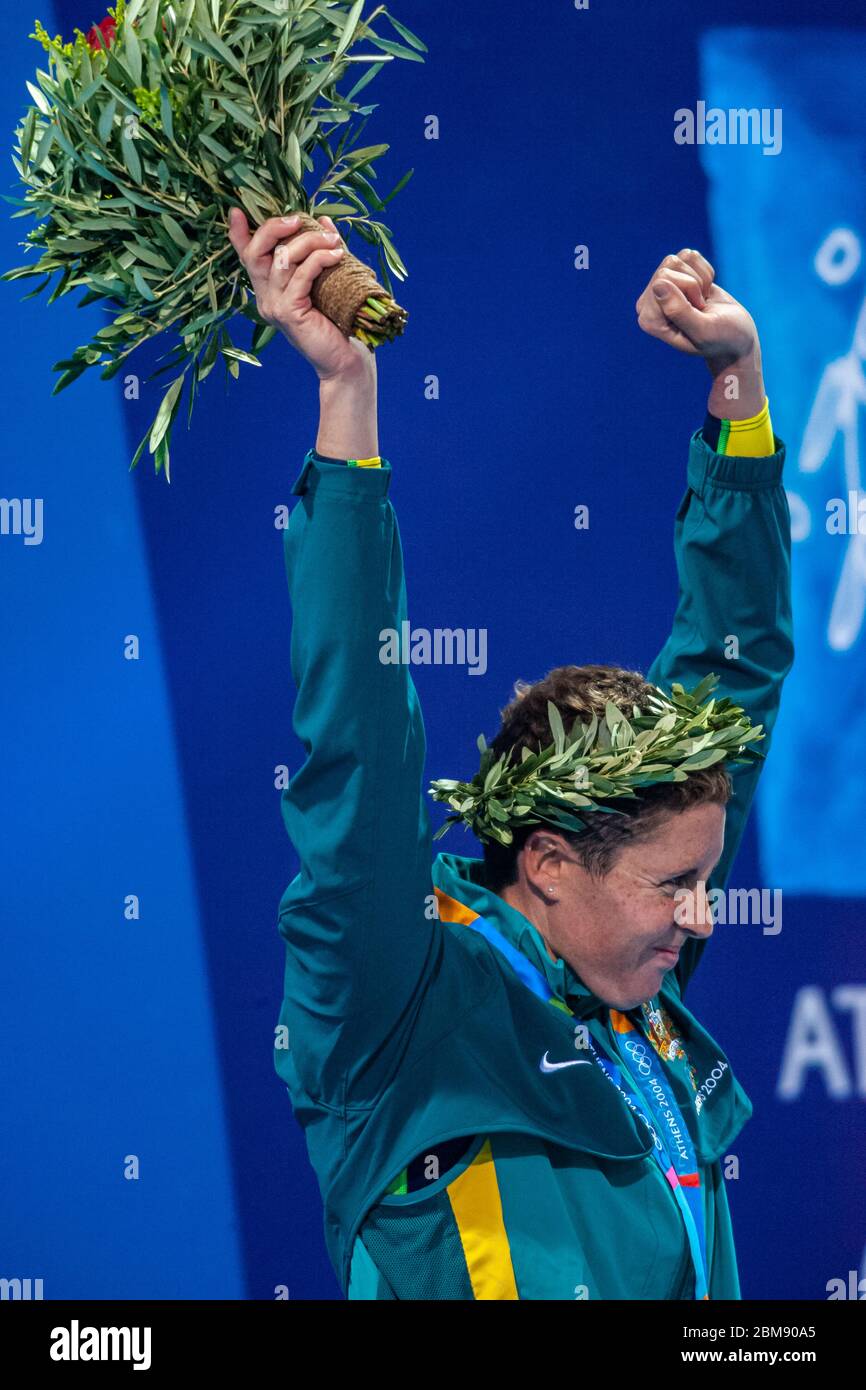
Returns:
<point x="620" y="934"/>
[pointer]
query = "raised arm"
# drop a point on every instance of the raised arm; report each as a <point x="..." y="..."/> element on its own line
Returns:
<point x="359" y="937"/>
<point x="732" y="532"/>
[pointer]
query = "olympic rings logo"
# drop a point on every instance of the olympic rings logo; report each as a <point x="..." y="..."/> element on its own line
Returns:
<point x="638" y="1052"/>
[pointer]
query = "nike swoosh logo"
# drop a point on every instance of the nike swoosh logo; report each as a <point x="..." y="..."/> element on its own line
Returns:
<point x="546" y="1066"/>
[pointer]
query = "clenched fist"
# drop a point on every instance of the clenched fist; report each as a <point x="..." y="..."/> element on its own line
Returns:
<point x="682" y="305"/>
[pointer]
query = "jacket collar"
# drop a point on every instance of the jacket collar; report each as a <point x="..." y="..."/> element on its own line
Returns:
<point x="460" y="879"/>
<point x="462" y="896"/>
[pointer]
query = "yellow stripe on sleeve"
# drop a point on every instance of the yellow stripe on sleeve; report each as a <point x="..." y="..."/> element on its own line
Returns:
<point x="477" y="1207"/>
<point x="750" y="438"/>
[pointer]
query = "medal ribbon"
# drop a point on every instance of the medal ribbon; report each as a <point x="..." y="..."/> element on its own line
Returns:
<point x="672" y="1142"/>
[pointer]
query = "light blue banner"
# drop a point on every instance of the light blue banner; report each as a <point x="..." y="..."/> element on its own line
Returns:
<point x="788" y="229"/>
<point x="116" y="1160"/>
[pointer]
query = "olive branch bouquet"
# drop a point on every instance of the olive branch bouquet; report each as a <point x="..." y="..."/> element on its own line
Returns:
<point x="143" y="133"/>
<point x="599" y="760"/>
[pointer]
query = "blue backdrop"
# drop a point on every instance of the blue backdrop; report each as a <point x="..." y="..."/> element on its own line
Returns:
<point x="149" y="1149"/>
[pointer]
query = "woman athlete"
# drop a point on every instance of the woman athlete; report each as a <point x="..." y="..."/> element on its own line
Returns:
<point x="503" y="1092"/>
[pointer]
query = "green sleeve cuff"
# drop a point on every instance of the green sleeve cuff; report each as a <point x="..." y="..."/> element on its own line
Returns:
<point x="707" y="468"/>
<point x="333" y="476"/>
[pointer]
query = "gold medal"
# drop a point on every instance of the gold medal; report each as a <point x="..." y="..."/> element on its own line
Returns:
<point x="666" y="1040"/>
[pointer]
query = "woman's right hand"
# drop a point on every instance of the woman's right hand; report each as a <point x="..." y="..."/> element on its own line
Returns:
<point x="282" y="278"/>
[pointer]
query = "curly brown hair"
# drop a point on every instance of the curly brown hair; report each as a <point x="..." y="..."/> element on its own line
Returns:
<point x="579" y="692"/>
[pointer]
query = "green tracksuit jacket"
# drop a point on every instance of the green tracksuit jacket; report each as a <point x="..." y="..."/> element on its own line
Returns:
<point x="402" y="1027"/>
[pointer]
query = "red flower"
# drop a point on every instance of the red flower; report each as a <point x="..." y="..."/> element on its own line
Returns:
<point x="107" y="28"/>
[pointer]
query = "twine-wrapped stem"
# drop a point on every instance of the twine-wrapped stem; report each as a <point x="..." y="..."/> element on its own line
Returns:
<point x="351" y="297"/>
